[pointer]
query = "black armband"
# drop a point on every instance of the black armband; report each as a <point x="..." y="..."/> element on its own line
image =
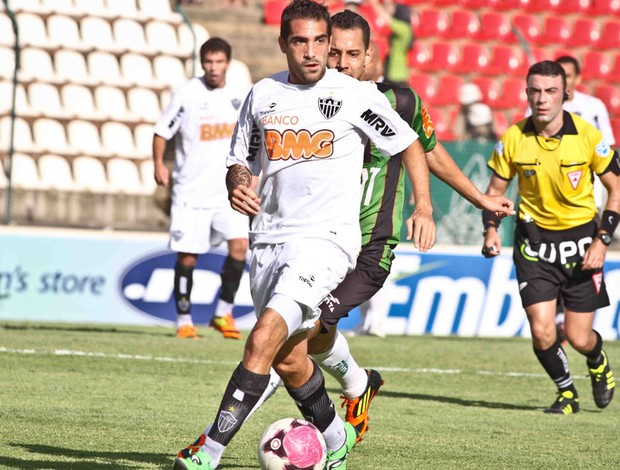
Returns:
<point x="489" y="219"/>
<point x="609" y="221"/>
<point x="614" y="164"/>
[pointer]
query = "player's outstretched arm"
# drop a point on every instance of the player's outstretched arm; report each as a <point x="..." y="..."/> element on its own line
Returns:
<point x="492" y="244"/>
<point x="442" y="165"/>
<point x="242" y="198"/>
<point x="420" y="226"/>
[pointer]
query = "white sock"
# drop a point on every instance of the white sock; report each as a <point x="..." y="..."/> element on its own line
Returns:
<point x="223" y="308"/>
<point x="339" y="363"/>
<point x="184" y="319"/>
<point x="335" y="434"/>
<point x="215" y="450"/>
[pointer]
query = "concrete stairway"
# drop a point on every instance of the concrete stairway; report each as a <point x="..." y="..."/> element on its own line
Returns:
<point x="253" y="42"/>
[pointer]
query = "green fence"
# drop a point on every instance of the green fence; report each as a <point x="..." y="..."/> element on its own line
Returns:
<point x="459" y="222"/>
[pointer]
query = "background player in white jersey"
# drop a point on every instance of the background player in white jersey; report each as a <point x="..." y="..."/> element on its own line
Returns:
<point x="202" y="114"/>
<point x="305" y="130"/>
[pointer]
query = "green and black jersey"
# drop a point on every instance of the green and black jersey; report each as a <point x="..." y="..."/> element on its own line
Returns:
<point x="383" y="178"/>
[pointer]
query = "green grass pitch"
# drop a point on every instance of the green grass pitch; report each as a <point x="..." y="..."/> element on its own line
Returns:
<point x="104" y="397"/>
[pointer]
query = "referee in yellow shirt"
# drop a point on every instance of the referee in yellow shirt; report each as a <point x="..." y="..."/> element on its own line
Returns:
<point x="560" y="245"/>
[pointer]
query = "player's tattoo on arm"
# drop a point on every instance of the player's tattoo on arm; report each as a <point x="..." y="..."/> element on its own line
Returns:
<point x="238" y="175"/>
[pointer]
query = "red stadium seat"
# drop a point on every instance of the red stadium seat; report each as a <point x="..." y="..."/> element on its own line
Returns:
<point x="500" y="123"/>
<point x="615" y="76"/>
<point x="432" y="23"/>
<point x="474" y="59"/>
<point x="495" y="26"/>
<point x="529" y="27"/>
<point x="490" y="88"/>
<point x="513" y="94"/>
<point x="507" y="59"/>
<point x="424" y="84"/>
<point x="502" y="5"/>
<point x="377" y="25"/>
<point x="464" y="24"/>
<point x="585" y="33"/>
<point x="605" y="7"/>
<point x="441" y="123"/>
<point x="573" y="6"/>
<point x="272" y="11"/>
<point x="448" y="89"/>
<point x="596" y="65"/>
<point x="610" y="37"/>
<point x="419" y="56"/>
<point x="611" y="97"/>
<point x="444" y="56"/>
<point x="556" y="30"/>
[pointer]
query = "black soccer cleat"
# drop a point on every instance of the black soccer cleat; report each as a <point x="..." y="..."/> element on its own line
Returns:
<point x="603" y="383"/>
<point x="566" y="403"/>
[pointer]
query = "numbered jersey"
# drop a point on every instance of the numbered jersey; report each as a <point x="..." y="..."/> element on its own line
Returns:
<point x="308" y="142"/>
<point x="203" y="120"/>
<point x="383" y="180"/>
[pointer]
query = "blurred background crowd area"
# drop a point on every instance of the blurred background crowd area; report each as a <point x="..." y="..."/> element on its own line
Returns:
<point x="94" y="76"/>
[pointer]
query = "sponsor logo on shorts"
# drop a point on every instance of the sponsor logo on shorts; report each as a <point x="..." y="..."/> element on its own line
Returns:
<point x="329" y="107"/>
<point x="597" y="279"/>
<point x="378" y="123"/>
<point x="176" y="235"/>
<point x="522" y="286"/>
<point x="331" y="302"/>
<point x="309" y="281"/>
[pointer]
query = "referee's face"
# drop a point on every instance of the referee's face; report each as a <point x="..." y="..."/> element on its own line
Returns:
<point x="306" y="51"/>
<point x="347" y="52"/>
<point x="545" y="97"/>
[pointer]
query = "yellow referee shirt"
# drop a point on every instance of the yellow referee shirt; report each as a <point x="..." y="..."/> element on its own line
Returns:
<point x="555" y="174"/>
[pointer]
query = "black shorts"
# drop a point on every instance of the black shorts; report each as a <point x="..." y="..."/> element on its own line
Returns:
<point x="357" y="287"/>
<point x="556" y="269"/>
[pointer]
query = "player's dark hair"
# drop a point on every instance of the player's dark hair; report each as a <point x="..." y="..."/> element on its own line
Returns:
<point x="567" y="59"/>
<point x="547" y="68"/>
<point x="348" y="19"/>
<point x="215" y="45"/>
<point x="303" y="10"/>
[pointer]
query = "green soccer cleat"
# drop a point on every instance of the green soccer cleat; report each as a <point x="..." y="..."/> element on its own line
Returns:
<point x="338" y="458"/>
<point x="566" y="403"/>
<point x="197" y="461"/>
<point x="603" y="384"/>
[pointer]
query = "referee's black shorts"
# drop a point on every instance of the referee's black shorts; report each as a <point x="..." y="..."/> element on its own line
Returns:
<point x="357" y="287"/>
<point x="556" y="269"/>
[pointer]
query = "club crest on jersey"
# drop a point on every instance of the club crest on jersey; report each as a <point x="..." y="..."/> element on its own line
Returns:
<point x="329" y="107"/>
<point x="574" y="177"/>
<point x="236" y="102"/>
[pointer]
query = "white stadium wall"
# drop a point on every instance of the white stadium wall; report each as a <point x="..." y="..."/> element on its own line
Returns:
<point x="126" y="278"/>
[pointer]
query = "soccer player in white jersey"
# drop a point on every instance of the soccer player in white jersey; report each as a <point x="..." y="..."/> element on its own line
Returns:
<point x="304" y="130"/>
<point x="202" y="115"/>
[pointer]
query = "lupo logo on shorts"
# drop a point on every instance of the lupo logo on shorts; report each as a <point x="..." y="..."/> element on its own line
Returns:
<point x="148" y="285"/>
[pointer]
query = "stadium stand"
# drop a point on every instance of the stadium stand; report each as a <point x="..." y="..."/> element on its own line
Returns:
<point x="104" y="69"/>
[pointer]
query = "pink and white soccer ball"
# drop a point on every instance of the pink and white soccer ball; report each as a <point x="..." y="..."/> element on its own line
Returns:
<point x="292" y="444"/>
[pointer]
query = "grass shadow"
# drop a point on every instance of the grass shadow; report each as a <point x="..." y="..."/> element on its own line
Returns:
<point x="82" y="459"/>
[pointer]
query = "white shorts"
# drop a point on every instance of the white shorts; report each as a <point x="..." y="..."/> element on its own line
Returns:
<point x="194" y="230"/>
<point x="305" y="270"/>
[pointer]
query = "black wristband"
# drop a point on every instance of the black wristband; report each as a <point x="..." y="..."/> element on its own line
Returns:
<point x="489" y="219"/>
<point x="609" y="221"/>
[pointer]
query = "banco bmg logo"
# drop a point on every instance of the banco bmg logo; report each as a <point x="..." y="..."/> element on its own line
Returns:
<point x="148" y="285"/>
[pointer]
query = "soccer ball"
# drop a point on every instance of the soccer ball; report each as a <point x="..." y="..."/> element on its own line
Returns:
<point x="292" y="444"/>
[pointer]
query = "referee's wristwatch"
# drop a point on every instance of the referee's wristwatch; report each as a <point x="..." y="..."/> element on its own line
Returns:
<point x="604" y="237"/>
